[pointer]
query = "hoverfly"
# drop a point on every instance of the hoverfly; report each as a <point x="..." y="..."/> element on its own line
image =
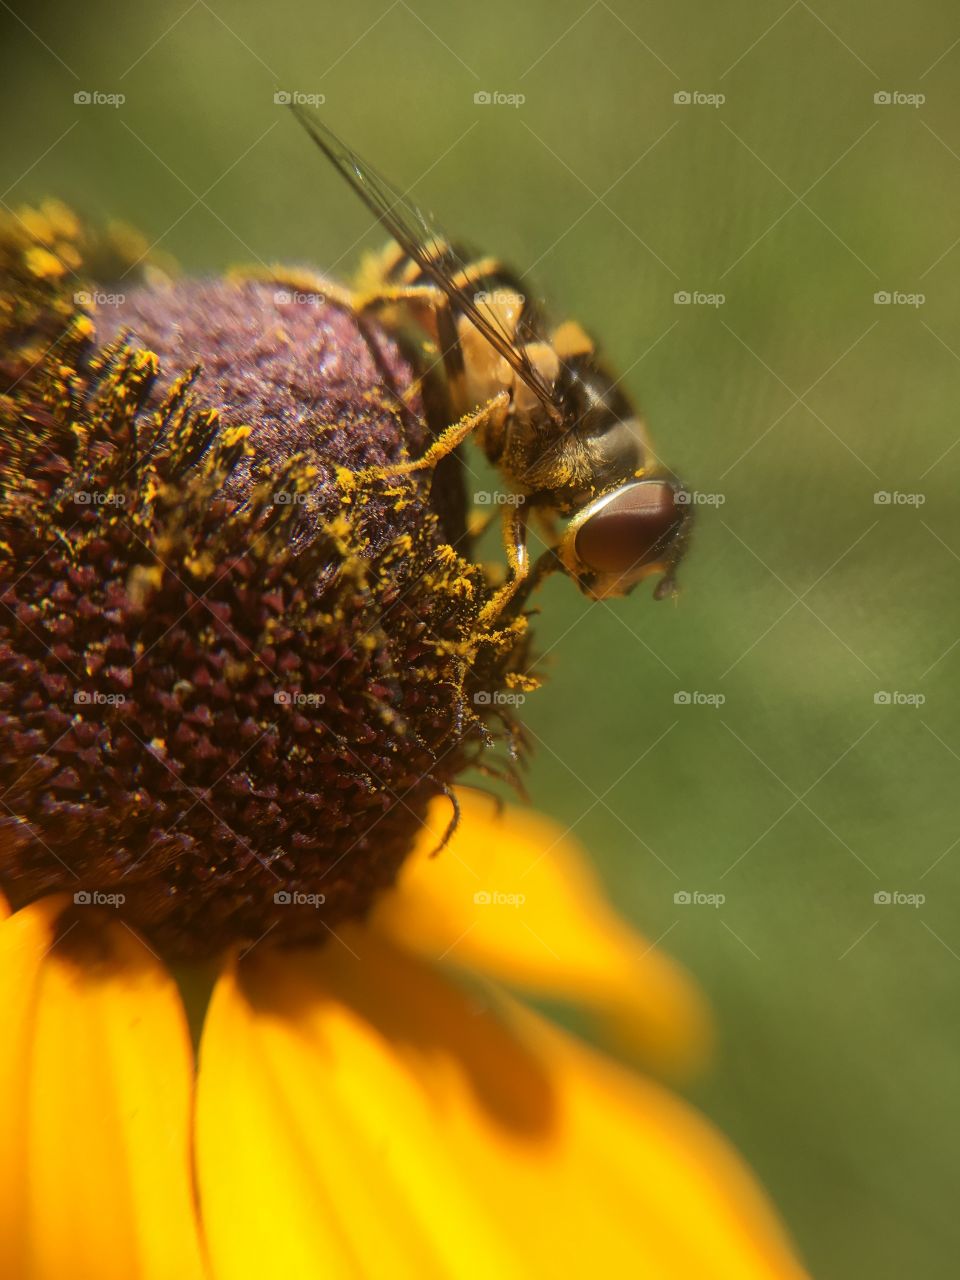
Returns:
<point x="561" y="432"/>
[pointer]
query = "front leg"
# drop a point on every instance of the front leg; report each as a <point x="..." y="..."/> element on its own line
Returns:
<point x="444" y="444"/>
<point x="518" y="560"/>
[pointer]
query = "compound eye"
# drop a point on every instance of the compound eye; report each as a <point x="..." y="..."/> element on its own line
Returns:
<point x="631" y="530"/>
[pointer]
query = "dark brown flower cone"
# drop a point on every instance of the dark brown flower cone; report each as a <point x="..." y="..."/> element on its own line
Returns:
<point x="233" y="669"/>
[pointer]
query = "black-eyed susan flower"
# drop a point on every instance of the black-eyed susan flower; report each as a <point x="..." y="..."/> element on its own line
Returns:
<point x="237" y="685"/>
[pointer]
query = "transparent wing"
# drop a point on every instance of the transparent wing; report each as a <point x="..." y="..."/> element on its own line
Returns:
<point x="414" y="233"/>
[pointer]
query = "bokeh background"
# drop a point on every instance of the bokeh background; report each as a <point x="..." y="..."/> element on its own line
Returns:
<point x="814" y="764"/>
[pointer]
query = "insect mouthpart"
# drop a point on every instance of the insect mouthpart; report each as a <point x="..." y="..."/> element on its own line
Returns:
<point x="626" y="535"/>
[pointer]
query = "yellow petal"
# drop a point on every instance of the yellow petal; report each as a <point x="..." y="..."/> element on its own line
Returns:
<point x="359" y="1115"/>
<point x="513" y="897"/>
<point x="95" y="1076"/>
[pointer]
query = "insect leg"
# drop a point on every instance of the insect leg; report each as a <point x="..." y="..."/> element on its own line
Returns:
<point x="548" y="524"/>
<point x="296" y="281"/>
<point x="545" y="564"/>
<point x="387" y="295"/>
<point x="518" y="560"/>
<point x="444" y="444"/>
<point x="436" y="301"/>
<point x="356" y="301"/>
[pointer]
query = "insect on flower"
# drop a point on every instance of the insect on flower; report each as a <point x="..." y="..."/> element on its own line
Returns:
<point x="564" y="436"/>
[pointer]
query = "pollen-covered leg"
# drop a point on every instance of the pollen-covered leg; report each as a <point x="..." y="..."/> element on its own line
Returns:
<point x="387" y="295"/>
<point x="302" y="285"/>
<point x="518" y="560"/>
<point x="444" y="444"/>
<point x="432" y="311"/>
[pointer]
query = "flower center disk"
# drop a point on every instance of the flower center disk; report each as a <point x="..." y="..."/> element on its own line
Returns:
<point x="232" y="672"/>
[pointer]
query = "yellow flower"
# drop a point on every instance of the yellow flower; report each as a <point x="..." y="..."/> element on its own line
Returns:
<point x="357" y="1111"/>
<point x="238" y="679"/>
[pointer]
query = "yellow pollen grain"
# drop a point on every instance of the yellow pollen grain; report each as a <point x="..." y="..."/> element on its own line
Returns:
<point x="43" y="264"/>
<point x="234" y="435"/>
<point x="68" y="255"/>
<point x="346" y="482"/>
<point x="201" y="566"/>
<point x="35" y="222"/>
<point x="142" y="582"/>
<point x="520" y="680"/>
<point x="61" y="220"/>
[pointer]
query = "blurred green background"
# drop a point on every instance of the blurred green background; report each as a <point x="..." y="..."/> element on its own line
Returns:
<point x="794" y="402"/>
